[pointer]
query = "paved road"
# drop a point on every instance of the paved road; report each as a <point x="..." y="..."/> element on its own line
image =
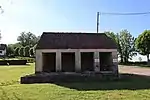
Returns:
<point x="134" y="70"/>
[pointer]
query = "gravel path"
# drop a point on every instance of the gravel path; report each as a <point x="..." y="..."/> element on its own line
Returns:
<point x="134" y="70"/>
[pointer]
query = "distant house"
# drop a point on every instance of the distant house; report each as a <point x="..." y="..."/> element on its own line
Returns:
<point x="3" y="50"/>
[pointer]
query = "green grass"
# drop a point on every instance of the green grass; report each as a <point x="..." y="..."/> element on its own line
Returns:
<point x="130" y="87"/>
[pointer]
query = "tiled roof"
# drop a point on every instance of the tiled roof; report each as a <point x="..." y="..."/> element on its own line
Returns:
<point x="60" y="40"/>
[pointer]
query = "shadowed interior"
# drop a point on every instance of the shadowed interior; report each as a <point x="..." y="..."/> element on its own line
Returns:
<point x="49" y="62"/>
<point x="87" y="61"/>
<point x="68" y="62"/>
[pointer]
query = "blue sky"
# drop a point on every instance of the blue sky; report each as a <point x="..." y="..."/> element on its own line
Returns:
<point x="70" y="15"/>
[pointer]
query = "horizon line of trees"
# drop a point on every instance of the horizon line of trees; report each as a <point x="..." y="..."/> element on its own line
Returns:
<point x="129" y="46"/>
<point x="25" y="47"/>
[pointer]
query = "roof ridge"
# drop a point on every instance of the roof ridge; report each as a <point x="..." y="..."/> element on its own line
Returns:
<point x="71" y="33"/>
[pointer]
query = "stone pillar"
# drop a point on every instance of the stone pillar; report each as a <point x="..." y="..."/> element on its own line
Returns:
<point x="96" y="62"/>
<point x="38" y="62"/>
<point x="77" y="61"/>
<point x="58" y="61"/>
<point x="115" y="62"/>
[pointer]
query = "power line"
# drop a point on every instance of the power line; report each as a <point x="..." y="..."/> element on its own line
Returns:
<point x="139" y="13"/>
<point x="108" y="13"/>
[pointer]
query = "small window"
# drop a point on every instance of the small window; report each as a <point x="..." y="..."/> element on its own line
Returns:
<point x="0" y="51"/>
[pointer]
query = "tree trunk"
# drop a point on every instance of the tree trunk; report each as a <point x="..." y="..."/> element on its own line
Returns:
<point x="148" y="61"/>
<point x="121" y="58"/>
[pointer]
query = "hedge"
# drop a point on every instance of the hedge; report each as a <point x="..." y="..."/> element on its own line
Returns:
<point x="3" y="62"/>
<point x="13" y="62"/>
<point x="29" y="60"/>
<point x="17" y="62"/>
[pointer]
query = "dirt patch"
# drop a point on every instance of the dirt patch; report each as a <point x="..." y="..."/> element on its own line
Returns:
<point x="134" y="70"/>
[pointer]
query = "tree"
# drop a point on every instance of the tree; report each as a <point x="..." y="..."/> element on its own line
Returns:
<point x="21" y="51"/>
<point x="27" y="39"/>
<point x="125" y="44"/>
<point x="16" y="45"/>
<point x="10" y="51"/>
<point x="116" y="38"/>
<point x="143" y="43"/>
<point x="26" y="51"/>
<point x="16" y="51"/>
<point x="111" y="35"/>
<point x="126" y="41"/>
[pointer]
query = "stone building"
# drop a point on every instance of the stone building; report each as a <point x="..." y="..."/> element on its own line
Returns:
<point x="76" y="52"/>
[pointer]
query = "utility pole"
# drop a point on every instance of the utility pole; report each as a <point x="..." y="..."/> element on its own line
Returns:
<point x="97" y="22"/>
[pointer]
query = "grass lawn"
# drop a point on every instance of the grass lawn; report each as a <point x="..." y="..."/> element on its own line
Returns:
<point x="130" y="87"/>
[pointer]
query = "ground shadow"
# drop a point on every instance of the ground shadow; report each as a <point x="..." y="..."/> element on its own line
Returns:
<point x="126" y="81"/>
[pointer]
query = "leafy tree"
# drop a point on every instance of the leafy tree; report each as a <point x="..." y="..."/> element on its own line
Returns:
<point x="111" y="35"/>
<point x="21" y="51"/>
<point x="16" y="51"/>
<point x="10" y="51"/>
<point x="27" y="39"/>
<point x="125" y="44"/>
<point x="26" y="51"/>
<point x="143" y="43"/>
<point x="16" y="45"/>
<point x="116" y="38"/>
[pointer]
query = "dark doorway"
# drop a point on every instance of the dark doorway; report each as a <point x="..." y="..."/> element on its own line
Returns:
<point x="87" y="61"/>
<point x="105" y="61"/>
<point x="49" y="62"/>
<point x="68" y="62"/>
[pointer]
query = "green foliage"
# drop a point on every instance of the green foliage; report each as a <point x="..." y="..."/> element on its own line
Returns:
<point x="10" y="51"/>
<point x="29" y="60"/>
<point x="26" y="51"/>
<point x="16" y="45"/>
<point x="27" y="39"/>
<point x="21" y="51"/>
<point x="143" y="43"/>
<point x="125" y="44"/>
<point x="16" y="51"/>
<point x="126" y="41"/>
<point x="111" y="35"/>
